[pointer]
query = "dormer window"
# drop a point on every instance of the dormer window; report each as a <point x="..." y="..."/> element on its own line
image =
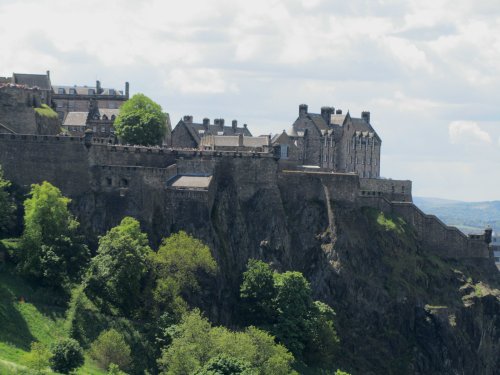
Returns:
<point x="112" y="92"/>
<point x="91" y="92"/>
<point x="60" y="90"/>
<point x="72" y="91"/>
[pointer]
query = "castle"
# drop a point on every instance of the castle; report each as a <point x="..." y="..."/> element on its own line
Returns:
<point x="326" y="159"/>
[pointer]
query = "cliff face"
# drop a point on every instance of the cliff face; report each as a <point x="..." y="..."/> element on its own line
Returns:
<point x="401" y="309"/>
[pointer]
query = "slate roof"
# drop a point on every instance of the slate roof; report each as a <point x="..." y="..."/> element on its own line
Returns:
<point x="76" y="119"/>
<point x="42" y="81"/>
<point x="84" y="90"/>
<point x="197" y="131"/>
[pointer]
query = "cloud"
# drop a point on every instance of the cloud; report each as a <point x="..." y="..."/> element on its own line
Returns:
<point x="467" y="132"/>
<point x="199" y="81"/>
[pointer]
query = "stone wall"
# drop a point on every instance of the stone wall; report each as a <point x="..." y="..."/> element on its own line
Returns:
<point x="16" y="109"/>
<point x="445" y="241"/>
<point x="393" y="190"/>
<point x="63" y="161"/>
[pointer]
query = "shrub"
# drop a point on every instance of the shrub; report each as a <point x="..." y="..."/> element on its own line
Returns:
<point x="67" y="356"/>
<point x="110" y="348"/>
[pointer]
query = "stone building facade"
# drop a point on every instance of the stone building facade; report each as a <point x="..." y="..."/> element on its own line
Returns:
<point x="99" y="120"/>
<point x="332" y="141"/>
<point x="188" y="134"/>
<point x="68" y="99"/>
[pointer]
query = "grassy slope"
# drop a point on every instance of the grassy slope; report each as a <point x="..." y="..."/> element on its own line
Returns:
<point x="35" y="319"/>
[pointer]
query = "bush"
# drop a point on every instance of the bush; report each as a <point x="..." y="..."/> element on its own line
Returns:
<point x="111" y="348"/>
<point x="38" y="359"/>
<point x="67" y="356"/>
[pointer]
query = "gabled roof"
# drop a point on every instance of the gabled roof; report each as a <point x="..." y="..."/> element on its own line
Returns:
<point x="42" y="81"/>
<point x="197" y="130"/>
<point x="318" y="121"/>
<point x="76" y="119"/>
<point x="108" y="112"/>
<point x="363" y="128"/>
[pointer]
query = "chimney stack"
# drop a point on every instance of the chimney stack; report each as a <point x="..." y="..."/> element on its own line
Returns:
<point x="338" y="112"/>
<point x="188" y="119"/>
<point x="98" y="88"/>
<point x="127" y="89"/>
<point x="326" y="113"/>
<point x="234" y="125"/>
<point x="206" y="122"/>
<point x="302" y="110"/>
<point x="365" y="115"/>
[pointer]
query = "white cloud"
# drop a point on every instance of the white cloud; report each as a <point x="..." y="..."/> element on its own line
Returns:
<point x="467" y="132"/>
<point x="199" y="81"/>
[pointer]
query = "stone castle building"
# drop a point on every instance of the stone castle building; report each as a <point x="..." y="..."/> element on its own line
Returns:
<point x="67" y="99"/>
<point x="188" y="134"/>
<point x="332" y="141"/>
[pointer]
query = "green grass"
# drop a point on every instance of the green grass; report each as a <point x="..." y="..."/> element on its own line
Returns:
<point x="45" y="111"/>
<point x="29" y="313"/>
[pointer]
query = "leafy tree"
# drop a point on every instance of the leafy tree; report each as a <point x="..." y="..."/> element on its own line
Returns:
<point x="197" y="343"/>
<point x="7" y="207"/>
<point x="225" y="365"/>
<point x="178" y="263"/>
<point x="141" y="121"/>
<point x="67" y="356"/>
<point x="258" y="293"/>
<point x="115" y="370"/>
<point x="283" y="305"/>
<point x="116" y="275"/>
<point x="52" y="249"/>
<point x="38" y="359"/>
<point x="110" y="348"/>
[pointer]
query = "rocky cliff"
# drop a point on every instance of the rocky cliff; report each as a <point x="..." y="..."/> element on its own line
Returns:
<point x="401" y="309"/>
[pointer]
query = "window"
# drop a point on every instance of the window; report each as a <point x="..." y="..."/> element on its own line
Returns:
<point x="109" y="181"/>
<point x="284" y="151"/>
<point x="59" y="105"/>
<point x="103" y="129"/>
<point x="60" y="90"/>
<point x="112" y="92"/>
<point x="94" y="129"/>
<point x="72" y="91"/>
<point x="91" y="92"/>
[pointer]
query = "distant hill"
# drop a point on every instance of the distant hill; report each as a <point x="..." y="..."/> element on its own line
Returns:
<point x="469" y="217"/>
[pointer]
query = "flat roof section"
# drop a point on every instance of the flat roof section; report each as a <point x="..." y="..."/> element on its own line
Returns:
<point x="191" y="182"/>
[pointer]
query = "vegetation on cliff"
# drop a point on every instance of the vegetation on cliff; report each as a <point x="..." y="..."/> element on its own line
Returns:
<point x="141" y="121"/>
<point x="45" y="111"/>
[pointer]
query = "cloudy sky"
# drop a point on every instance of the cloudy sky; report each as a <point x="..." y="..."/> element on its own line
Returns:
<point x="428" y="70"/>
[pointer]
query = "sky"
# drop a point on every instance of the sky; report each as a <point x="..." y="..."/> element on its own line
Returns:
<point x="427" y="70"/>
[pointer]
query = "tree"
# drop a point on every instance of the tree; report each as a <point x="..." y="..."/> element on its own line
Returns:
<point x="110" y="348"/>
<point x="52" y="249"/>
<point x="115" y="370"/>
<point x="67" y="356"/>
<point x="197" y="344"/>
<point x="141" y="121"/>
<point x="282" y="303"/>
<point x="7" y="206"/>
<point x="258" y="293"/>
<point x="225" y="365"/>
<point x="38" y="359"/>
<point x="116" y="275"/>
<point x="179" y="262"/>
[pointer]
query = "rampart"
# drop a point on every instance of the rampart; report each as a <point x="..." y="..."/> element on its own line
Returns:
<point x="445" y="241"/>
<point x="393" y="190"/>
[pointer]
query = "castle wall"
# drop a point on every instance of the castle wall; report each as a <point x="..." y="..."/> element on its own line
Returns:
<point x="62" y="161"/>
<point x="445" y="241"/>
<point x="393" y="190"/>
<point x="16" y="110"/>
<point x="108" y="154"/>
